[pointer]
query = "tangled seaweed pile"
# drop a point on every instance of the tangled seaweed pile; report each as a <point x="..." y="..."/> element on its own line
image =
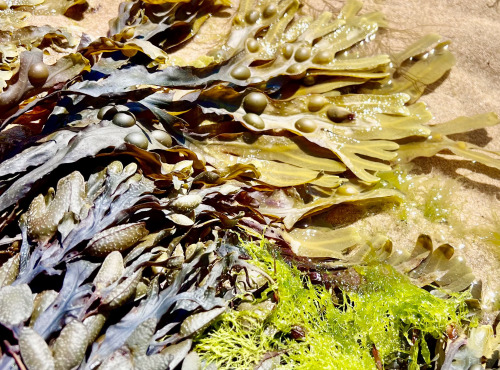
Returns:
<point x="134" y="260"/>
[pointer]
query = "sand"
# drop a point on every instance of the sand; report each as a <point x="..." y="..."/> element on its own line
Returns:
<point x="472" y="87"/>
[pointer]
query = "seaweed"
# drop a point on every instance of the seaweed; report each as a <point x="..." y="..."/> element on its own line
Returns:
<point x="127" y="172"/>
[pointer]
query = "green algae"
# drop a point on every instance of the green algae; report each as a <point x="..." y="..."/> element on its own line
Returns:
<point x="491" y="234"/>
<point x="439" y="203"/>
<point x="435" y="197"/>
<point x="383" y="314"/>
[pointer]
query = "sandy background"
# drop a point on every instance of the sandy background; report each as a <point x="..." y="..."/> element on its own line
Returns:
<point x="472" y="87"/>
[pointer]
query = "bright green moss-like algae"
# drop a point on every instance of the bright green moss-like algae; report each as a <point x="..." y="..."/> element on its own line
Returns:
<point x="385" y="317"/>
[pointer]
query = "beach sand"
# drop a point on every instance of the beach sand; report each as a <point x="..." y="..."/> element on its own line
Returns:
<point x="472" y="87"/>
